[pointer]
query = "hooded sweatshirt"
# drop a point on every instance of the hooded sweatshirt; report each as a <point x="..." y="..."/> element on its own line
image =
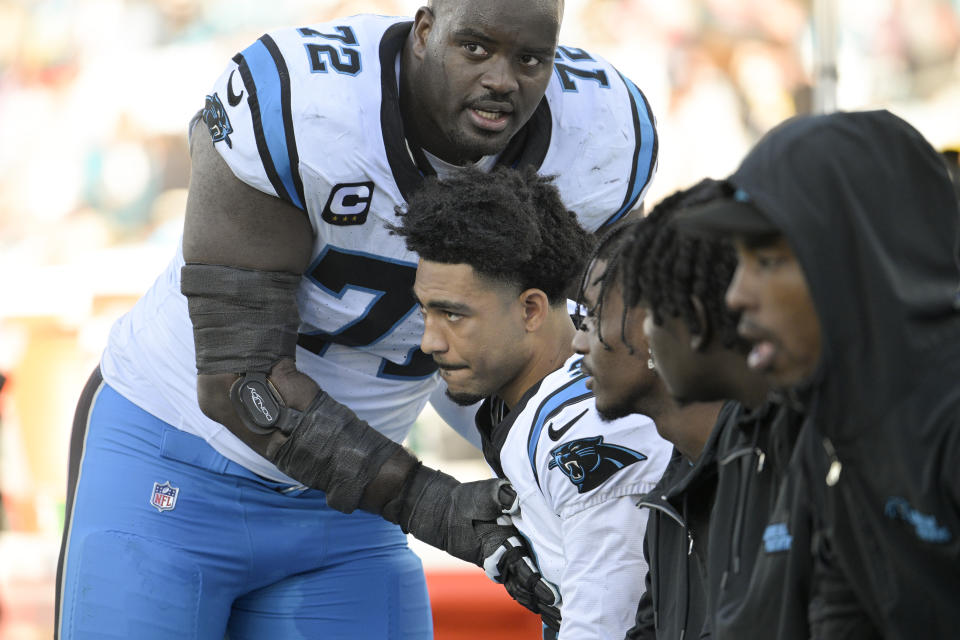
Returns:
<point x="675" y="604"/>
<point x="759" y="556"/>
<point x="868" y="208"/>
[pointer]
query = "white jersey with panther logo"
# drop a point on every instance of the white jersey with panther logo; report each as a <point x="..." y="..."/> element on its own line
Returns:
<point x="311" y="115"/>
<point x="578" y="479"/>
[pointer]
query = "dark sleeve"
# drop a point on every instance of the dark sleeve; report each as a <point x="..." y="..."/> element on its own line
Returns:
<point x="835" y="613"/>
<point x="644" y="627"/>
<point x="951" y="462"/>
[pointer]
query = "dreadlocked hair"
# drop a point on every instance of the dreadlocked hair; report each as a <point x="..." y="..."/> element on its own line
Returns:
<point x="509" y="225"/>
<point x="609" y="249"/>
<point x="663" y="267"/>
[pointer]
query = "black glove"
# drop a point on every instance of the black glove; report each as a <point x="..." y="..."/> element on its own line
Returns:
<point x="459" y="517"/>
<point x="471" y="520"/>
<point x="519" y="574"/>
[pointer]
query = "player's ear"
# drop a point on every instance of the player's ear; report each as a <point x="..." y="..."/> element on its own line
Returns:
<point x="535" y="306"/>
<point x="699" y="341"/>
<point x="423" y="24"/>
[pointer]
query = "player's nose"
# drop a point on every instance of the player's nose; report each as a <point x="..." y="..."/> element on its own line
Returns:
<point x="432" y="340"/>
<point x="581" y="341"/>
<point x="738" y="294"/>
<point x="500" y="76"/>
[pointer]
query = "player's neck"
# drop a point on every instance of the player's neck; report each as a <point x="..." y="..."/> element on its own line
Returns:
<point x="445" y="170"/>
<point x="688" y="426"/>
<point x="734" y="379"/>
<point x="553" y="348"/>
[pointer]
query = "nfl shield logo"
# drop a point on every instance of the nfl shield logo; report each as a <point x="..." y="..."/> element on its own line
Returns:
<point x="164" y="496"/>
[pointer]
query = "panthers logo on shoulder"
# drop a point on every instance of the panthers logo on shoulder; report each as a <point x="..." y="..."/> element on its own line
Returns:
<point x="215" y="117"/>
<point x="588" y="462"/>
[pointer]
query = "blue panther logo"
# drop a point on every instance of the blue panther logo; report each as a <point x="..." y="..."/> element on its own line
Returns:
<point x="215" y="117"/>
<point x="588" y="462"/>
<point x="926" y="526"/>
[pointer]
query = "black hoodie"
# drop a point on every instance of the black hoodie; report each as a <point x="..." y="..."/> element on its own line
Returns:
<point x="869" y="210"/>
<point x="675" y="604"/>
<point x="759" y="555"/>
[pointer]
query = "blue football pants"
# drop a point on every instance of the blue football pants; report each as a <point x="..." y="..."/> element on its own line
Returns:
<point x="230" y="555"/>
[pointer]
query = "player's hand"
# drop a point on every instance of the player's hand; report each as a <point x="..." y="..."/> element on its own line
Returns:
<point x="471" y="521"/>
<point x="458" y="517"/>
<point x="513" y="566"/>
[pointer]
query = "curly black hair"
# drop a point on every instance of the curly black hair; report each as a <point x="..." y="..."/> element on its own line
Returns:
<point x="662" y="267"/>
<point x="509" y="225"/>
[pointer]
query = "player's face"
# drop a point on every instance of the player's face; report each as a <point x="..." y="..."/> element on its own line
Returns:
<point x="677" y="362"/>
<point x="484" y="67"/>
<point x="473" y="329"/>
<point x="620" y="379"/>
<point x="778" y="316"/>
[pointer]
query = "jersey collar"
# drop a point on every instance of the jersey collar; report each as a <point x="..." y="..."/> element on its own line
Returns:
<point x="493" y="434"/>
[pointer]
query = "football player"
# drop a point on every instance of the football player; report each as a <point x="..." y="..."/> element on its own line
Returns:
<point x="261" y="386"/>
<point x="498" y="252"/>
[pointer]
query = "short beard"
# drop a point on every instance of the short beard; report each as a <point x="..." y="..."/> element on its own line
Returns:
<point x="609" y="414"/>
<point x="472" y="148"/>
<point x="464" y="399"/>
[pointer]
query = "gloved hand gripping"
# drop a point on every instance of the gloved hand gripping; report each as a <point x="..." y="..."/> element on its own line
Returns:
<point x="471" y="521"/>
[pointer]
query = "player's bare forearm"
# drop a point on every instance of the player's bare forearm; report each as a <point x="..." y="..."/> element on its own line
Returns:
<point x="230" y="223"/>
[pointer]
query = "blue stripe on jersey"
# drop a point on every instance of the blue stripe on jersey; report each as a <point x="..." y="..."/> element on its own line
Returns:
<point x="267" y="78"/>
<point x="572" y="392"/>
<point x="645" y="157"/>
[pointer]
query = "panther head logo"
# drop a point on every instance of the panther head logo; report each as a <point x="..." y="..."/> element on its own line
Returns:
<point x="588" y="462"/>
<point x="215" y="117"/>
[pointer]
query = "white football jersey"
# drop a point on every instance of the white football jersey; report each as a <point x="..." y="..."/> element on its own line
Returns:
<point x="578" y="479"/>
<point x="311" y="115"/>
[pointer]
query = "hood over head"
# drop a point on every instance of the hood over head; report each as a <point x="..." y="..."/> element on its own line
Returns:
<point x="868" y="208"/>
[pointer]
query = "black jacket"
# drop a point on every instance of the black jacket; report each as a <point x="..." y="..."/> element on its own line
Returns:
<point x="759" y="554"/>
<point x="675" y="604"/>
<point x="870" y="212"/>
